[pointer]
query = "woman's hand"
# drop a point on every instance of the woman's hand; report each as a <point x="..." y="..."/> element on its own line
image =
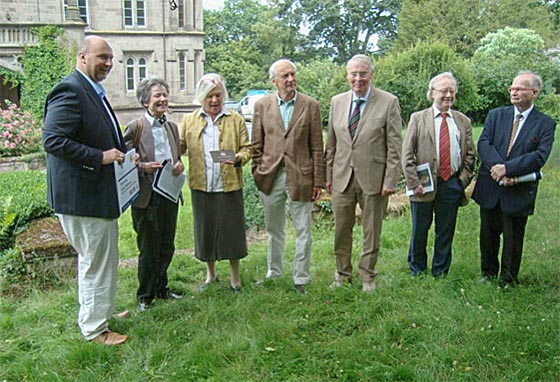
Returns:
<point x="150" y="167"/>
<point x="178" y="168"/>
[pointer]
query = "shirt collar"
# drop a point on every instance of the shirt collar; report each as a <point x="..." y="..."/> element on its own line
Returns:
<point x="153" y="121"/>
<point x="224" y="111"/>
<point x="525" y="114"/>
<point x="99" y="89"/>
<point x="281" y="101"/>
<point x="437" y="112"/>
<point x="364" y="98"/>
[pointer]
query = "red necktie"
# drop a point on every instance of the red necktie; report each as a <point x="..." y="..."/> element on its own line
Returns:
<point x="444" y="151"/>
<point x="355" y="118"/>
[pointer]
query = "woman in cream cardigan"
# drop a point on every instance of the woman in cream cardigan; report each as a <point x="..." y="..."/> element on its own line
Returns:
<point x="217" y="144"/>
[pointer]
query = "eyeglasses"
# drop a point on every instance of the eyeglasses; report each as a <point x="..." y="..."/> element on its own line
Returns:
<point x="518" y="89"/>
<point x="445" y="91"/>
<point x="358" y="74"/>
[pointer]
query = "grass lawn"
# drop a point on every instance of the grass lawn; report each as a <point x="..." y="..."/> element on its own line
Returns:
<point x="409" y="329"/>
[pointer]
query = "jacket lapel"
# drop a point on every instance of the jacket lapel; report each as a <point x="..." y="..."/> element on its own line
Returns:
<point x="299" y="106"/>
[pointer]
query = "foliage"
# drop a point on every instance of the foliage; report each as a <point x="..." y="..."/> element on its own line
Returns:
<point x="340" y="29"/>
<point x="44" y="65"/>
<point x="408" y="73"/>
<point x="550" y="104"/>
<point x="11" y="77"/>
<point x="18" y="208"/>
<point x="243" y="39"/>
<point x="500" y="58"/>
<point x="322" y="79"/>
<point x="254" y="211"/>
<point x="19" y="134"/>
<point x="461" y="24"/>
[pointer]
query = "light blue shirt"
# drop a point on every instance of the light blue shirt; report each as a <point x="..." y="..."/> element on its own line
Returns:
<point x="525" y="114"/>
<point x="286" y="109"/>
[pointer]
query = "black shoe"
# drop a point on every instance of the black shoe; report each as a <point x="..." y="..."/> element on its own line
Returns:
<point x="169" y="295"/>
<point x="300" y="288"/>
<point x="144" y="306"/>
<point x="235" y="289"/>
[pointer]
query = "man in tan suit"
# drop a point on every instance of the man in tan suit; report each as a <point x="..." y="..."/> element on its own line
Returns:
<point x="441" y="138"/>
<point x="363" y="166"/>
<point x="288" y="165"/>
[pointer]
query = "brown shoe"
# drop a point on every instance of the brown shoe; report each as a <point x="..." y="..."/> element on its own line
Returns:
<point x="110" y="338"/>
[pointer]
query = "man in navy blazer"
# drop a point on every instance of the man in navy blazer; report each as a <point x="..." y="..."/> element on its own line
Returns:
<point x="516" y="141"/>
<point x="82" y="138"/>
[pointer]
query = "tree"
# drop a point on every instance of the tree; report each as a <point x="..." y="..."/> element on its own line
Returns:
<point x="407" y="74"/>
<point x="500" y="58"/>
<point x="242" y="41"/>
<point x="340" y="29"/>
<point x="44" y="65"/>
<point x="462" y="24"/>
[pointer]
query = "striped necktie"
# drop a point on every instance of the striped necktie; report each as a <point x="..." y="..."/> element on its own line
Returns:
<point x="355" y="118"/>
<point x="514" y="129"/>
<point x="444" y="149"/>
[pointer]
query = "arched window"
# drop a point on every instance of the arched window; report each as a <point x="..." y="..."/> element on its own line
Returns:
<point x="130" y="63"/>
<point x="142" y="69"/>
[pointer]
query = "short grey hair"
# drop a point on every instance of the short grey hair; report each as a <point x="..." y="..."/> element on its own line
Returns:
<point x="272" y="70"/>
<point x="361" y="58"/>
<point x="144" y="90"/>
<point x="535" y="82"/>
<point x="206" y="84"/>
<point x="438" y="78"/>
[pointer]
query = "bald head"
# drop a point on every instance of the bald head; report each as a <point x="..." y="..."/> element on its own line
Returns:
<point x="95" y="58"/>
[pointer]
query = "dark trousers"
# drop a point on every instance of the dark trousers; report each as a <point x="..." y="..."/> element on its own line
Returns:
<point x="444" y="207"/>
<point x="494" y="223"/>
<point x="155" y="227"/>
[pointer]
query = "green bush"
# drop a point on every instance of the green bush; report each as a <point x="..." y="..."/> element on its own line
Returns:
<point x="23" y="198"/>
<point x="550" y="104"/>
<point x="254" y="211"/>
<point x="407" y="75"/>
<point x="12" y="269"/>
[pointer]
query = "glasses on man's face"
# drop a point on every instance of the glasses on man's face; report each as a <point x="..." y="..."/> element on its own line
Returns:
<point x="445" y="91"/>
<point x="518" y="89"/>
<point x="358" y="74"/>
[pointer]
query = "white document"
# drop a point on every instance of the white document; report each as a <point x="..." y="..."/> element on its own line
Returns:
<point x="126" y="177"/>
<point x="532" y="177"/>
<point x="167" y="184"/>
<point x="425" y="177"/>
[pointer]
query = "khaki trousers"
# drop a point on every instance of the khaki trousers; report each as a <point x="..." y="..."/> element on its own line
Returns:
<point x="96" y="241"/>
<point x="344" y="209"/>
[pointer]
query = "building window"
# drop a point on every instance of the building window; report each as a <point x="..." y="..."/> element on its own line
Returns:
<point x="134" y="13"/>
<point x="82" y="6"/>
<point x="182" y="72"/>
<point x="136" y="71"/>
<point x="181" y="13"/>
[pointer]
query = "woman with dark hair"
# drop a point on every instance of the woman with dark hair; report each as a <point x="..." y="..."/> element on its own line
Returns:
<point x="154" y="216"/>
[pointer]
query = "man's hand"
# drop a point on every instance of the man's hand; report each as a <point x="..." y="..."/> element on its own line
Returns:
<point x="111" y="156"/>
<point x="419" y="190"/>
<point x="151" y="167"/>
<point x="386" y="191"/>
<point x="498" y="171"/>
<point x="316" y="193"/>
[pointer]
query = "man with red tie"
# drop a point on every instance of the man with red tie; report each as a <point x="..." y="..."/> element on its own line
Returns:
<point x="516" y="141"/>
<point x="441" y="138"/>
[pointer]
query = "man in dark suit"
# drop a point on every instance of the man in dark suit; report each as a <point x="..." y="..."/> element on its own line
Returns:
<point x="82" y="138"/>
<point x="363" y="166"/>
<point x="516" y="141"/>
<point x="288" y="165"/>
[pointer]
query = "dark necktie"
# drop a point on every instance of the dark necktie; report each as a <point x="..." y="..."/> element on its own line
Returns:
<point x="514" y="129"/>
<point x="355" y="118"/>
<point x="444" y="149"/>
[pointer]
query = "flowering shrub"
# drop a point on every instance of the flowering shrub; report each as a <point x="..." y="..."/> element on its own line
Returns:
<point x="19" y="134"/>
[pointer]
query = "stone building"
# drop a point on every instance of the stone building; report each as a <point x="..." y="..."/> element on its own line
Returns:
<point x="161" y="38"/>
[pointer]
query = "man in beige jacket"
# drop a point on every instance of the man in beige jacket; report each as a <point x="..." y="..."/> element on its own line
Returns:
<point x="363" y="166"/>
<point x="288" y="165"/>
